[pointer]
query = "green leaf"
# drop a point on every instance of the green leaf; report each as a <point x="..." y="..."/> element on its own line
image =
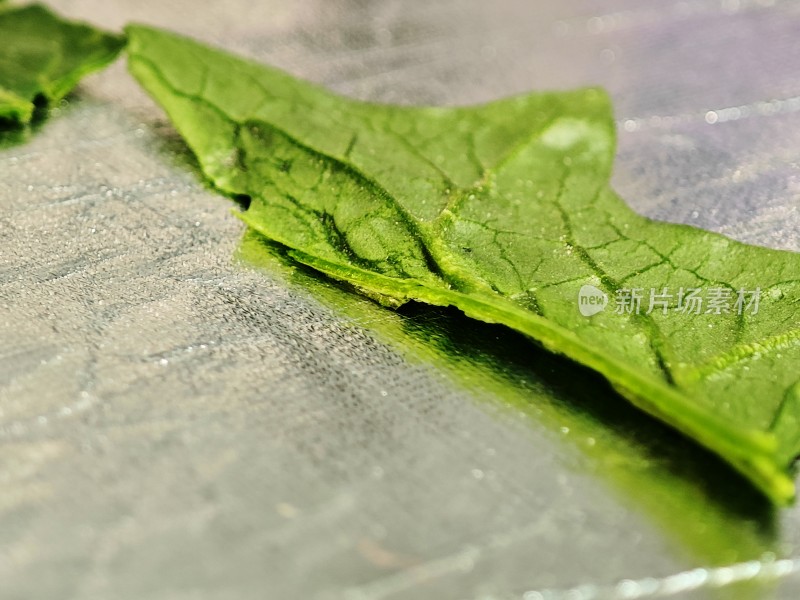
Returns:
<point x="504" y="211"/>
<point x="42" y="57"/>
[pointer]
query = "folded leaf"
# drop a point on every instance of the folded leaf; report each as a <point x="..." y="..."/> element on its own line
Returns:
<point x="504" y="211"/>
<point x="42" y="57"/>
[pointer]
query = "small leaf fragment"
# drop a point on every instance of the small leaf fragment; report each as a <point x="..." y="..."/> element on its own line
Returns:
<point x="42" y="57"/>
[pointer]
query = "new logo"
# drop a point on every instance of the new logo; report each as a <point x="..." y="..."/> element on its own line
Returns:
<point x="591" y="300"/>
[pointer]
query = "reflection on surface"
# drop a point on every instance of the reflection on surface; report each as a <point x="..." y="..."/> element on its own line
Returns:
<point x="713" y="514"/>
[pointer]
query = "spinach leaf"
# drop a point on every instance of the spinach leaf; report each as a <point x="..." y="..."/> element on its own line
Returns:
<point x="504" y="211"/>
<point x="42" y="57"/>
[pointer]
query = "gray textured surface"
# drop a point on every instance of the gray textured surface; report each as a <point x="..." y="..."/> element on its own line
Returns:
<point x="174" y="424"/>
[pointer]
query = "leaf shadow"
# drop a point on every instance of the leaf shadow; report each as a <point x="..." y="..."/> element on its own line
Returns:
<point x="516" y="358"/>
